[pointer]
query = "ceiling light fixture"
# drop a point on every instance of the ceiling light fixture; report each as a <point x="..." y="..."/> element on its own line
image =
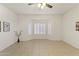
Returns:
<point x="42" y="5"/>
<point x="39" y="5"/>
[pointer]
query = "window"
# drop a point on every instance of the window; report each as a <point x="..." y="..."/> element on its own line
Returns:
<point x="39" y="28"/>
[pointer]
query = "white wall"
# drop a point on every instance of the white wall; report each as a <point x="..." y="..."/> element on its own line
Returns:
<point x="70" y="35"/>
<point x="54" y="19"/>
<point x="7" y="38"/>
<point x="59" y="26"/>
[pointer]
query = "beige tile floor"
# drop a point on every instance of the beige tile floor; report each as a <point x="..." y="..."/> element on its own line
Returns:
<point x="39" y="47"/>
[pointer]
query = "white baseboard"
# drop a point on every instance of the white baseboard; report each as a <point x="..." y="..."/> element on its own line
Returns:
<point x="7" y="46"/>
<point x="70" y="43"/>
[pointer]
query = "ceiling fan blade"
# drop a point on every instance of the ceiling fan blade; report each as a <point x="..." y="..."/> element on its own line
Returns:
<point x="48" y="5"/>
<point x="30" y="3"/>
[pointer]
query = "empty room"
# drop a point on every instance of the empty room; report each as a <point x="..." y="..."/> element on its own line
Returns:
<point x="39" y="29"/>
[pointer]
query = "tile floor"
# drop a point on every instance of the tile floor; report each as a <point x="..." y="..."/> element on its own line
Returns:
<point x="39" y="47"/>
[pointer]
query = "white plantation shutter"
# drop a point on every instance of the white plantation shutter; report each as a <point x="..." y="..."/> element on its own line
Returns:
<point x="39" y="28"/>
<point x="29" y="29"/>
<point x="49" y="29"/>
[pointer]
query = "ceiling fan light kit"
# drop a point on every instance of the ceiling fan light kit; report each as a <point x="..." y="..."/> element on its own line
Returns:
<point x="39" y="5"/>
<point x="42" y="5"/>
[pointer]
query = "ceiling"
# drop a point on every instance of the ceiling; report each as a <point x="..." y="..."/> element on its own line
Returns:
<point x="24" y="8"/>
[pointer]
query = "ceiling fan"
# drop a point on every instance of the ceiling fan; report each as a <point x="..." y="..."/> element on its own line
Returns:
<point x="42" y="5"/>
